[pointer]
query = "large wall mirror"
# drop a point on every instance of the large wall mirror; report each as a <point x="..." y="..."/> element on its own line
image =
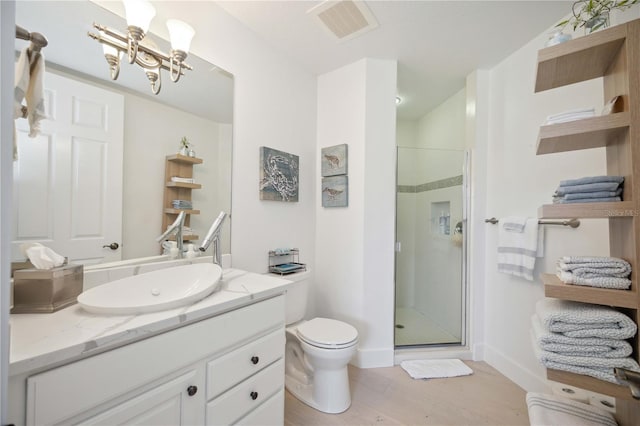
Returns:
<point x="54" y="167"/>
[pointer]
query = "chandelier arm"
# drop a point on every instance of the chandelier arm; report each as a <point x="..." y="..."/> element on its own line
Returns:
<point x="156" y="85"/>
<point x="173" y="67"/>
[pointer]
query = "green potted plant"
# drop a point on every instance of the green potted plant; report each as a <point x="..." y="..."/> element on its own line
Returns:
<point x="184" y="146"/>
<point x="594" y="14"/>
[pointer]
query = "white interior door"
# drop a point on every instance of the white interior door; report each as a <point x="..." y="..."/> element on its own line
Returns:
<point x="68" y="180"/>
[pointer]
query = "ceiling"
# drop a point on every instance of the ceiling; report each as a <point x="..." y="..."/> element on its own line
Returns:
<point x="436" y="43"/>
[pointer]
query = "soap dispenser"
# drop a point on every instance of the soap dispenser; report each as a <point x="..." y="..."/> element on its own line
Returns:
<point x="191" y="252"/>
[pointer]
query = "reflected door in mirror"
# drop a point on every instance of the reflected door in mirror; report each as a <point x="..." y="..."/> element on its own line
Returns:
<point x="68" y="180"/>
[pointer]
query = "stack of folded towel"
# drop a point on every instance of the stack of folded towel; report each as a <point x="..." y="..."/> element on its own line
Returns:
<point x="582" y="338"/>
<point x="182" y="180"/>
<point x="591" y="189"/>
<point x="577" y="114"/>
<point x="594" y="271"/>
<point x="182" y="204"/>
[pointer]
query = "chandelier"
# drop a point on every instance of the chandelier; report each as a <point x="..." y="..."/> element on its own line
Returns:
<point x="140" y="51"/>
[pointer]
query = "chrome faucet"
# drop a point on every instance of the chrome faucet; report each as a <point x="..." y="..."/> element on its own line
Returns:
<point x="176" y="227"/>
<point x="213" y="236"/>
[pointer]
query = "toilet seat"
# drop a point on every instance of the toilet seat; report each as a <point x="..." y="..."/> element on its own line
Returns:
<point x="327" y="333"/>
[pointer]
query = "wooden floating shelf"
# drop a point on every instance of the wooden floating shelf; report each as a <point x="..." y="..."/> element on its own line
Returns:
<point x="594" y="132"/>
<point x="581" y="59"/>
<point x="183" y="185"/>
<point x="177" y="211"/>
<point x="553" y="287"/>
<point x="589" y="383"/>
<point x="588" y="210"/>
<point x="179" y="158"/>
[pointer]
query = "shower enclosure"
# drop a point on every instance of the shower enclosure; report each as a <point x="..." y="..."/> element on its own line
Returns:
<point x="431" y="202"/>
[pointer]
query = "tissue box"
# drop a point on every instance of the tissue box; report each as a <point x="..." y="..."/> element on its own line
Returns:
<point x="46" y="290"/>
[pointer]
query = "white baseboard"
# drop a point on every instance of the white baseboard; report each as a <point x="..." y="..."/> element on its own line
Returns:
<point x="527" y="379"/>
<point x="373" y="358"/>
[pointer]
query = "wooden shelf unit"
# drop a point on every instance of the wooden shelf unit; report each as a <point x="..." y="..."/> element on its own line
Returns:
<point x="588" y="133"/>
<point x="613" y="55"/>
<point x="181" y="166"/>
<point x="587" y="210"/>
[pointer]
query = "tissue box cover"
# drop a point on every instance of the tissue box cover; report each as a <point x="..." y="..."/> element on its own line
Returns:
<point x="46" y="290"/>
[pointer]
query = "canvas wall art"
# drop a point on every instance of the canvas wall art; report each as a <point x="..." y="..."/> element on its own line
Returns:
<point x="335" y="191"/>
<point x="334" y="160"/>
<point x="278" y="175"/>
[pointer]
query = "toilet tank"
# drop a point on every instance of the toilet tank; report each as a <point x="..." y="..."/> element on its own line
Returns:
<point x="296" y="296"/>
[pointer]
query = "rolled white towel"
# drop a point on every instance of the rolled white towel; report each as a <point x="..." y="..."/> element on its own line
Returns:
<point x="550" y="410"/>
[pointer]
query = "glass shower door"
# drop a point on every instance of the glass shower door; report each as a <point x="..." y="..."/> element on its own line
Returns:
<point x="430" y="235"/>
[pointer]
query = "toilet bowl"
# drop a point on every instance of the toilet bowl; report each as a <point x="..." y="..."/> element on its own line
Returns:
<point x="317" y="353"/>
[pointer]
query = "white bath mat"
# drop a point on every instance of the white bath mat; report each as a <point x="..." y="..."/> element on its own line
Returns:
<point x="435" y="368"/>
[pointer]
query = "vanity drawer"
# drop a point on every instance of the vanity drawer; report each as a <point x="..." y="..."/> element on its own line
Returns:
<point x="270" y="413"/>
<point x="247" y="396"/>
<point x="232" y="368"/>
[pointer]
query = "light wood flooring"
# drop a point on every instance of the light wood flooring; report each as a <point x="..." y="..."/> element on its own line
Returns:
<point x="388" y="396"/>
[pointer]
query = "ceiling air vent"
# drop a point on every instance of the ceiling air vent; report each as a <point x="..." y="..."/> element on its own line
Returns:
<point x="345" y="19"/>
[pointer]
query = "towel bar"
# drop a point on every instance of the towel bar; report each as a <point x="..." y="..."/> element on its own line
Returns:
<point x="574" y="223"/>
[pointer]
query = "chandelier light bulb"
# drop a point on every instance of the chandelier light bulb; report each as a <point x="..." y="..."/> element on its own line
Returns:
<point x="139" y="13"/>
<point x="180" y="34"/>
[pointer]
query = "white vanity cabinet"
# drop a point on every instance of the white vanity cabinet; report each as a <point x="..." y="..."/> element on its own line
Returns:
<point x="226" y="369"/>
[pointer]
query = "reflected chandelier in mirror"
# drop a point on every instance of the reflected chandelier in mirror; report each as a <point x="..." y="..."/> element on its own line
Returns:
<point x="115" y="44"/>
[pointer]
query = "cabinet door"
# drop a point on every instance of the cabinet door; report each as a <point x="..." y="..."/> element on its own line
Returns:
<point x="167" y="404"/>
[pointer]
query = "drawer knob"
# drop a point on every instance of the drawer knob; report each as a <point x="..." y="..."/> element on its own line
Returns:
<point x="192" y="390"/>
<point x="254" y="395"/>
<point x="255" y="360"/>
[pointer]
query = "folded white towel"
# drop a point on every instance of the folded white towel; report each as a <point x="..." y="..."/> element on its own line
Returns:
<point x="578" y="346"/>
<point x="517" y="251"/>
<point x="569" y="364"/>
<point x="576" y="319"/>
<point x="551" y="410"/>
<point x="435" y="368"/>
<point x="594" y="280"/>
<point x="514" y="223"/>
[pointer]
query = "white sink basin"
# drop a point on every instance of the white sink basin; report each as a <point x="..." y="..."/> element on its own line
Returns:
<point x="153" y="291"/>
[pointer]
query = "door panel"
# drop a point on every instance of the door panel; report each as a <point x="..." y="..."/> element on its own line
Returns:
<point x="68" y="180"/>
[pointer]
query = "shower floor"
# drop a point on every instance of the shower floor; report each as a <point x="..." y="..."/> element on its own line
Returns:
<point x="417" y="329"/>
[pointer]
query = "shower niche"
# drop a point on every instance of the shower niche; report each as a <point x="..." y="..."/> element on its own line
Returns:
<point x="441" y="218"/>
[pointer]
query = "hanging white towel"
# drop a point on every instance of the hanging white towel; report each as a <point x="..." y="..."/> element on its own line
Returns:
<point x="514" y="223"/>
<point x="517" y="251"/>
<point x="29" y="86"/>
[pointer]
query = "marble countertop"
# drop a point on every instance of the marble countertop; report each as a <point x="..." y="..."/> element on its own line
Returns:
<point x="43" y="341"/>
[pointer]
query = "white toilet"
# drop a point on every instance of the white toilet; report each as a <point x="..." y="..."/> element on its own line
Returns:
<point x="317" y="353"/>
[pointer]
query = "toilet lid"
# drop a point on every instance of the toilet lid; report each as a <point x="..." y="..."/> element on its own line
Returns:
<point x="327" y="333"/>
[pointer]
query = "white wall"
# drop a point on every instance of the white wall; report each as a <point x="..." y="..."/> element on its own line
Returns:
<point x="354" y="261"/>
<point x="517" y="183"/>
